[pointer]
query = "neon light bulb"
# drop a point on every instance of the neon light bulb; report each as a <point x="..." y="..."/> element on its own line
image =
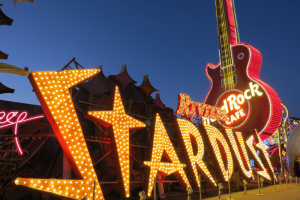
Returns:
<point x="187" y="128"/>
<point x="264" y="172"/>
<point x="263" y="148"/>
<point x="183" y="105"/>
<point x="190" y="109"/>
<point x="233" y="143"/>
<point x="119" y="120"/>
<point x="161" y="143"/>
<point x="62" y="80"/>
<point x="214" y="134"/>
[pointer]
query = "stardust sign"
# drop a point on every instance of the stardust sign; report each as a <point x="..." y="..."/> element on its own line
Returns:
<point x="52" y="90"/>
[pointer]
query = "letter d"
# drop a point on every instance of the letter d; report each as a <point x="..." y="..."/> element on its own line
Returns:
<point x="225" y="106"/>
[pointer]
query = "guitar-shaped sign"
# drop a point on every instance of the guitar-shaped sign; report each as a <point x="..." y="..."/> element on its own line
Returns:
<point x="235" y="83"/>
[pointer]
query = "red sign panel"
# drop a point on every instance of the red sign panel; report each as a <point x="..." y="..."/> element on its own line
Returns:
<point x="238" y="108"/>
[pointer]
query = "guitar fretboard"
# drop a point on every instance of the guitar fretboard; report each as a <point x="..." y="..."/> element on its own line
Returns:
<point x="227" y="36"/>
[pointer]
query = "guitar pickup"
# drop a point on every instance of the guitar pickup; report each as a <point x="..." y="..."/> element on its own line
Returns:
<point x="228" y="81"/>
<point x="225" y="69"/>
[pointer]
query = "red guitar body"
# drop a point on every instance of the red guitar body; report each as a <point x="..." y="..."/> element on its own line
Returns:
<point x="263" y="111"/>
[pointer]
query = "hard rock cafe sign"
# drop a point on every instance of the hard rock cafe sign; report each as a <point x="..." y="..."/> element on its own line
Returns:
<point x="237" y="105"/>
<point x="232" y="110"/>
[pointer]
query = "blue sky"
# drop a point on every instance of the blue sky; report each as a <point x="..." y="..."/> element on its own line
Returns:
<point x="170" y="40"/>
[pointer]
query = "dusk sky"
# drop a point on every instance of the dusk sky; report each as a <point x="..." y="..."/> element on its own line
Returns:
<point x="170" y="40"/>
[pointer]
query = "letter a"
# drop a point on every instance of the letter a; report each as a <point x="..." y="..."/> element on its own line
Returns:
<point x="162" y="145"/>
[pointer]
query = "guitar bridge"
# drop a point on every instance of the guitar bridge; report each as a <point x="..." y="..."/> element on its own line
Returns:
<point x="226" y="70"/>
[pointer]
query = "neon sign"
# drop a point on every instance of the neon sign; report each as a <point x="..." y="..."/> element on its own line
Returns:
<point x="52" y="89"/>
<point x="15" y="118"/>
<point x="236" y="103"/>
<point x="191" y="109"/>
<point x="119" y="124"/>
<point x="264" y="162"/>
<point x="162" y="145"/>
<point x="184" y="129"/>
<point x="215" y="137"/>
<point x="239" y="148"/>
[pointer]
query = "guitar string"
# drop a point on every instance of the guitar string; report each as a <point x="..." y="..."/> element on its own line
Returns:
<point x="221" y="38"/>
<point x="226" y="61"/>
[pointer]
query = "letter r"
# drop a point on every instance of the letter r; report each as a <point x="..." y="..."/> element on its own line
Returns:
<point x="254" y="89"/>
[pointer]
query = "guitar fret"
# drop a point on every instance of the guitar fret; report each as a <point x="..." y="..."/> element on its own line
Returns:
<point x="224" y="44"/>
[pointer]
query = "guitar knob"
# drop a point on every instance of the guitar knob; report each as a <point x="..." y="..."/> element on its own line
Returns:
<point x="240" y="56"/>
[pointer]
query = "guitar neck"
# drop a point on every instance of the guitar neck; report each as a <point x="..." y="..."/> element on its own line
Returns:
<point x="227" y="29"/>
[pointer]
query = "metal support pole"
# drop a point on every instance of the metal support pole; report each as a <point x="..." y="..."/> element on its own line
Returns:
<point x="67" y="169"/>
<point x="280" y="182"/>
<point x="286" y="180"/>
<point x="279" y="148"/>
<point x="229" y="187"/>
<point x="258" y="182"/>
<point x="94" y="190"/>
<point x="160" y="187"/>
<point x="200" y="187"/>
<point x="296" y="180"/>
<point x="275" y="184"/>
<point x="229" y="184"/>
<point x="219" y="191"/>
<point x="259" y="194"/>
<point x="154" y="188"/>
